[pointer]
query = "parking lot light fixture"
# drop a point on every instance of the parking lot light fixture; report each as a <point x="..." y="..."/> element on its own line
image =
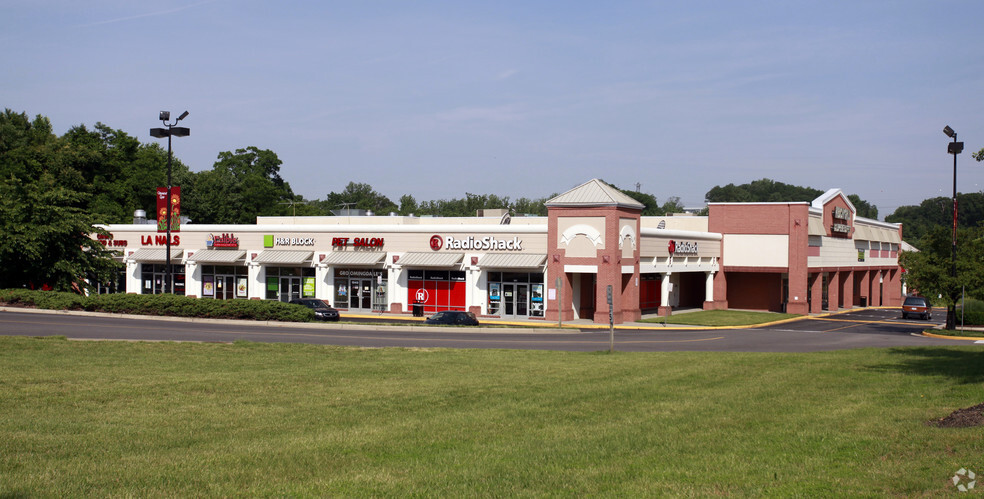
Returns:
<point x="170" y="131"/>
<point x="953" y="148"/>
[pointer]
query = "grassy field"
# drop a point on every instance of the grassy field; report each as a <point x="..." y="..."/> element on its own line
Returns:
<point x="722" y="318"/>
<point x="182" y="419"/>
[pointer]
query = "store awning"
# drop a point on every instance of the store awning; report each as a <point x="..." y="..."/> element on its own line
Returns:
<point x="431" y="259"/>
<point x="354" y="258"/>
<point x="155" y="255"/>
<point x="511" y="261"/>
<point x="816" y="228"/>
<point x="217" y="256"/>
<point x="862" y="233"/>
<point x="283" y="257"/>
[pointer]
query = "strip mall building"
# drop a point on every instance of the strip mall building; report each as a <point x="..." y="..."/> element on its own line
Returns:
<point x="793" y="257"/>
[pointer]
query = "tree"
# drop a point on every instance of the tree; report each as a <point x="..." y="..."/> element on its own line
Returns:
<point x="119" y="173"/>
<point x="928" y="270"/>
<point x="239" y="187"/>
<point x="359" y="196"/>
<point x="759" y="191"/>
<point x="45" y="224"/>
<point x="917" y="221"/>
<point x="864" y="208"/>
<point x="769" y="191"/>
<point x="408" y="205"/>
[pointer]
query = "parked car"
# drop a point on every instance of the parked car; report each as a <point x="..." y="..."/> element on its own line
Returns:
<point x="918" y="306"/>
<point x="322" y="311"/>
<point x="453" y="317"/>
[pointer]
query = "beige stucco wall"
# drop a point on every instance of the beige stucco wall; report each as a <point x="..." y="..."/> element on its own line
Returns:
<point x="756" y="250"/>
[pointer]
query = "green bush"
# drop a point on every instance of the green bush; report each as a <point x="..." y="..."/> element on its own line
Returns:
<point x="51" y="300"/>
<point x="973" y="312"/>
<point x="162" y="305"/>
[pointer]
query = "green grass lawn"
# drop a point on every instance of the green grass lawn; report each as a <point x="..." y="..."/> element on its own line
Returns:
<point x="722" y="318"/>
<point x="183" y="419"/>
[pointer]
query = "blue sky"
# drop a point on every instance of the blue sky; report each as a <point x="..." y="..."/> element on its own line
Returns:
<point x="436" y="99"/>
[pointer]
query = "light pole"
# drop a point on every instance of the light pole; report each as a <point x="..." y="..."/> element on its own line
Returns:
<point x="953" y="148"/>
<point x="175" y="131"/>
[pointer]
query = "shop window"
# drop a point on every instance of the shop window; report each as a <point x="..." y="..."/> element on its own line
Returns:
<point x="437" y="290"/>
<point x="225" y="282"/>
<point x="289" y="283"/>
<point x="152" y="277"/>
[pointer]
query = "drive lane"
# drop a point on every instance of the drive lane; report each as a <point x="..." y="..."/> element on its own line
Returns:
<point x="815" y="334"/>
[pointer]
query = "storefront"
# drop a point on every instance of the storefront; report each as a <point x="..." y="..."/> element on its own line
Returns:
<point x="772" y="256"/>
<point x="361" y="289"/>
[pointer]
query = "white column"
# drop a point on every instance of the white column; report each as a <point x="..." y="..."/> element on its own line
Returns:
<point x="709" y="287"/>
<point x="664" y="290"/>
<point x="323" y="276"/>
<point x="397" y="282"/>
<point x="193" y="279"/>
<point x="133" y="284"/>
<point x="257" y="281"/>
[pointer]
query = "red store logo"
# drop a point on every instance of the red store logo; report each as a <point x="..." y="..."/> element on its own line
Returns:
<point x="436" y="242"/>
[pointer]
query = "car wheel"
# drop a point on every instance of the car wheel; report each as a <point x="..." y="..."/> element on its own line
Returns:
<point x="905" y="315"/>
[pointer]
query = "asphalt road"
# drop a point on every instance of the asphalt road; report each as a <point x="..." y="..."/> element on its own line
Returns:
<point x="861" y="329"/>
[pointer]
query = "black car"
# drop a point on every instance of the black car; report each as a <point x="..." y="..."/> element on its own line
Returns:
<point x="454" y="318"/>
<point x="918" y="306"/>
<point x="322" y="311"/>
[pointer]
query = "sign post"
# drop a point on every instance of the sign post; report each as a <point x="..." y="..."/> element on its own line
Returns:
<point x="611" y="322"/>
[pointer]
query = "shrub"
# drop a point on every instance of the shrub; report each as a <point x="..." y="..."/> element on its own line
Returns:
<point x="973" y="312"/>
<point x="162" y="305"/>
<point x="51" y="300"/>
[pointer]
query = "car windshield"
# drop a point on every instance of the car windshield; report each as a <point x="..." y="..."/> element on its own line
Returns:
<point x="915" y="301"/>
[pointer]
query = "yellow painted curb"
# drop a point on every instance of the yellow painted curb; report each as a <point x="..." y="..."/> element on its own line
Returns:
<point x="945" y="337"/>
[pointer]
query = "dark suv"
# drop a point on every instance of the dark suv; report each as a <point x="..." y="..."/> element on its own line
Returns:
<point x="322" y="311"/>
<point x="918" y="306"/>
<point x="453" y="317"/>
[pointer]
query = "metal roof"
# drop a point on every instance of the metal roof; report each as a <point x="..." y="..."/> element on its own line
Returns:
<point x="216" y="256"/>
<point x="285" y="257"/>
<point x="511" y="260"/>
<point x="354" y="258"/>
<point x="431" y="259"/>
<point x="594" y="193"/>
<point x="155" y="254"/>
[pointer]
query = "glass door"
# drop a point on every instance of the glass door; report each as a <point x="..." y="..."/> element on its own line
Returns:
<point x="360" y="294"/>
<point x="355" y="293"/>
<point x="508" y="293"/>
<point x="522" y="300"/>
<point x="290" y="288"/>
<point x="366" y="294"/>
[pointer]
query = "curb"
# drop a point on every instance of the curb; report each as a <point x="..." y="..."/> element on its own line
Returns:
<point x="945" y="337"/>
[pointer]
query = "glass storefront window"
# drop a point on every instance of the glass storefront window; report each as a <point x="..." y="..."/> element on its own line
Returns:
<point x="152" y="278"/>
<point x="225" y="282"/>
<point x="515" y="294"/>
<point x="289" y="283"/>
<point x="361" y="288"/>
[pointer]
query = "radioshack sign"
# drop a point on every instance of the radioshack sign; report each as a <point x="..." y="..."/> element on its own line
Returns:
<point x="682" y="247"/>
<point x="487" y="243"/>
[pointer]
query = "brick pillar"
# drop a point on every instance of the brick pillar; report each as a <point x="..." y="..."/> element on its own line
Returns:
<point x="848" y="287"/>
<point x="720" y="290"/>
<point x="893" y="288"/>
<point x="833" y="291"/>
<point x="816" y="293"/>
<point x="864" y="288"/>
<point x="875" y="277"/>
